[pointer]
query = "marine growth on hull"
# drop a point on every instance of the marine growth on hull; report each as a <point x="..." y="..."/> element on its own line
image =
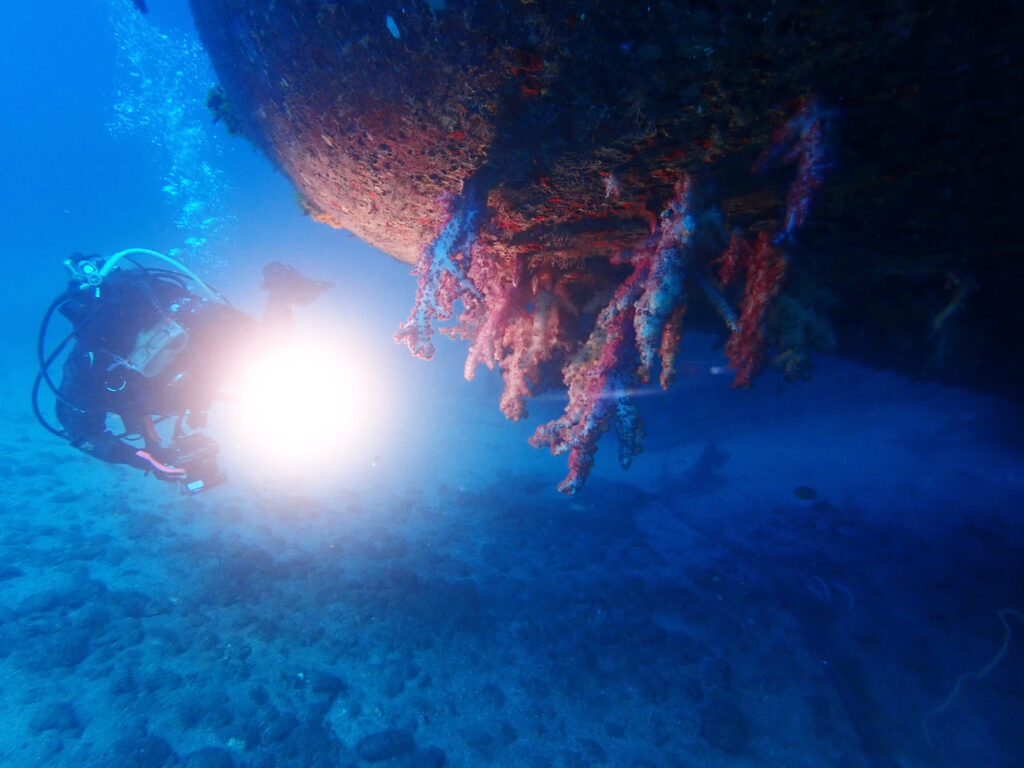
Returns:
<point x="571" y="181"/>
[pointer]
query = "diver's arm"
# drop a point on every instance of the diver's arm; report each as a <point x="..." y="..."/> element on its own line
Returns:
<point x="87" y="432"/>
<point x="84" y="421"/>
<point x="86" y="426"/>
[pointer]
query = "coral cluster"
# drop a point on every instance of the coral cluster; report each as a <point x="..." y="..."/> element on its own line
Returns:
<point x="763" y="267"/>
<point x="802" y="141"/>
<point x="441" y="270"/>
<point x="521" y="317"/>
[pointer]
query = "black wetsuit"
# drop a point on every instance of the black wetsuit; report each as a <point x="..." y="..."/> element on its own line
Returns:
<point x="97" y="381"/>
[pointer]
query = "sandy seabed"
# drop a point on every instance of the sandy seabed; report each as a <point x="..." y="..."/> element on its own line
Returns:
<point x="792" y="576"/>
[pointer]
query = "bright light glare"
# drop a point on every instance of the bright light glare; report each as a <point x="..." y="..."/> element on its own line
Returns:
<point x="301" y="406"/>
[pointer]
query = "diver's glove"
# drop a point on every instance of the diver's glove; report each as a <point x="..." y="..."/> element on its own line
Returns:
<point x="162" y="470"/>
<point x="284" y="280"/>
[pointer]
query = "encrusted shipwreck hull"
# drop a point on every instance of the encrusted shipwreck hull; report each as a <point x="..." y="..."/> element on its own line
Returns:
<point x="867" y="150"/>
<point x="376" y="123"/>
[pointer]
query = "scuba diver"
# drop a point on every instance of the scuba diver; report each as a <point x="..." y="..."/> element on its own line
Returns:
<point x="150" y="344"/>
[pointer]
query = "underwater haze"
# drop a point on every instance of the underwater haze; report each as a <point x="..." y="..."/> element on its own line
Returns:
<point x="799" y="574"/>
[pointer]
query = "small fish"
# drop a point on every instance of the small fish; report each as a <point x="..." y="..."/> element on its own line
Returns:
<point x="141" y="5"/>
<point x="392" y="27"/>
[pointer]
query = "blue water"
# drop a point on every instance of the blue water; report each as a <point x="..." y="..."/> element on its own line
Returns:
<point x="817" y="574"/>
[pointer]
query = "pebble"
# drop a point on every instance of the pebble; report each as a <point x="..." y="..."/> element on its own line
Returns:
<point x="724" y="726"/>
<point x="385" y="745"/>
<point x="56" y="716"/>
<point x="211" y="757"/>
<point x="327" y="683"/>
